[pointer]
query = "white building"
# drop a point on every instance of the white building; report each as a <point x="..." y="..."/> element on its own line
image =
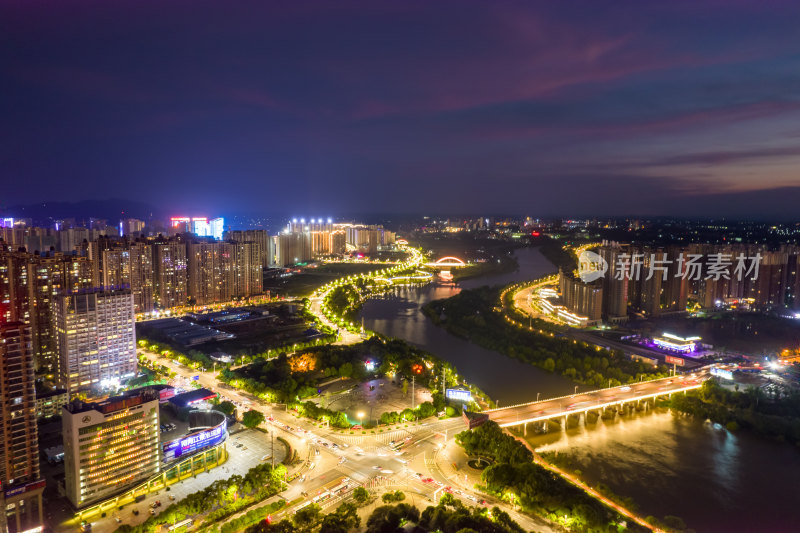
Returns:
<point x="96" y="338"/>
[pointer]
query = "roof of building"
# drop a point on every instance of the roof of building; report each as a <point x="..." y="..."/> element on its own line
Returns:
<point x="187" y="398"/>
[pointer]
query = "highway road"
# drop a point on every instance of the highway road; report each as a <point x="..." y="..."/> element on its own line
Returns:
<point x="407" y="459"/>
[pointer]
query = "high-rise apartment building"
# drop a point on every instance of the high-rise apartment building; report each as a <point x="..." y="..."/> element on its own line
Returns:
<point x="259" y="236"/>
<point x="584" y="299"/>
<point x="293" y="248"/>
<point x="51" y="275"/>
<point x="22" y="487"/>
<point x="615" y="284"/>
<point x="110" y="446"/>
<point x="211" y="272"/>
<point x="248" y="271"/>
<point x="130" y="265"/>
<point x="14" y="286"/>
<point x="96" y="338"/>
<point x="170" y="273"/>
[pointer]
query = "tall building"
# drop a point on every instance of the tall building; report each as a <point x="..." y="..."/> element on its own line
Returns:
<point x="211" y="272"/>
<point x="615" y="284"/>
<point x="51" y="275"/>
<point x="130" y="227"/>
<point x="130" y="264"/>
<point x="583" y="299"/>
<point x="667" y="290"/>
<point x="293" y="248"/>
<point x="169" y="273"/>
<point x="248" y="271"/>
<point x="141" y="276"/>
<point x="14" y="286"/>
<point x="259" y="236"/>
<point x="96" y="338"/>
<point x="22" y="487"/>
<point x="110" y="446"/>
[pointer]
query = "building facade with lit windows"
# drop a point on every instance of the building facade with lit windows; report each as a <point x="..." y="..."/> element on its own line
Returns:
<point x="110" y="446"/>
<point x="170" y="273"/>
<point x="211" y="272"/>
<point x="96" y="338"/>
<point x="22" y="487"/>
<point x="259" y="236"/>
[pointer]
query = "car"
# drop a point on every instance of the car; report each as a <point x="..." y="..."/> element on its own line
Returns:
<point x="118" y="519"/>
<point x="376" y="467"/>
<point x="316" y="451"/>
<point x="152" y="511"/>
<point x="356" y="426"/>
<point x="625" y="388"/>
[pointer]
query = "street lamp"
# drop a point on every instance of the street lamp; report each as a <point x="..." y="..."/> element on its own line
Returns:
<point x="360" y="416"/>
<point x="576" y="390"/>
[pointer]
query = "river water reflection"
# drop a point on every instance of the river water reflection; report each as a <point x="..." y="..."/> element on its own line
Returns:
<point x="675" y="465"/>
<point x="397" y="314"/>
<point x="715" y="480"/>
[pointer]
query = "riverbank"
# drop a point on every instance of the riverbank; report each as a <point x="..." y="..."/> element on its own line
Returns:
<point x="473" y="315"/>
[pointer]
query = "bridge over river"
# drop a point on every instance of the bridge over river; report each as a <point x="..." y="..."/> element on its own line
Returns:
<point x="598" y="400"/>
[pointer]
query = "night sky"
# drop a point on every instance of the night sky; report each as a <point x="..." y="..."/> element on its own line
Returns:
<point x="323" y="108"/>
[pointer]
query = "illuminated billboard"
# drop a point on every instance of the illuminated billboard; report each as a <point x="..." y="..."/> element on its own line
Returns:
<point x="459" y="395"/>
<point x="192" y="443"/>
<point x="722" y="372"/>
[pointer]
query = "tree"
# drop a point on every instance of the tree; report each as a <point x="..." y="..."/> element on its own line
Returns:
<point x="360" y="494"/>
<point x="306" y="518"/>
<point x="253" y="418"/>
<point x="226" y="408"/>
<point x="388" y="518"/>
<point x="342" y="520"/>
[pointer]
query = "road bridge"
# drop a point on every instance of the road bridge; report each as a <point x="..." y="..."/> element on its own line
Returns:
<point x="598" y="400"/>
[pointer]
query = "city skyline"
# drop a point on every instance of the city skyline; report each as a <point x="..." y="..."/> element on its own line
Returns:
<point x="684" y="109"/>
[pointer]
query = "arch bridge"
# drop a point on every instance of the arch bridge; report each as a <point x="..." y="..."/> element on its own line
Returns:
<point x="447" y="262"/>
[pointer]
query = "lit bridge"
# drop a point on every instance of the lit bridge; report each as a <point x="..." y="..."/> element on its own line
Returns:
<point x="449" y="261"/>
<point x="598" y="400"/>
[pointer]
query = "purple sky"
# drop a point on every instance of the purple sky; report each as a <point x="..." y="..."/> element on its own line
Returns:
<point x="568" y="108"/>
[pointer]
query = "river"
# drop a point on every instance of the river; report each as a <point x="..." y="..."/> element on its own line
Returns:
<point x="397" y="314"/>
<point x="717" y="481"/>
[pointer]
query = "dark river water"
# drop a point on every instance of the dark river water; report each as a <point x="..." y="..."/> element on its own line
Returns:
<point x="717" y="481"/>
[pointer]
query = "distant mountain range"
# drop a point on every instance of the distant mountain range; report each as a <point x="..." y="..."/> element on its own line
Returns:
<point x="112" y="209"/>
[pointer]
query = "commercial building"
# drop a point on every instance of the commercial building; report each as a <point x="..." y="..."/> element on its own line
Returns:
<point x="96" y="338"/>
<point x="21" y="495"/>
<point x="110" y="446"/>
